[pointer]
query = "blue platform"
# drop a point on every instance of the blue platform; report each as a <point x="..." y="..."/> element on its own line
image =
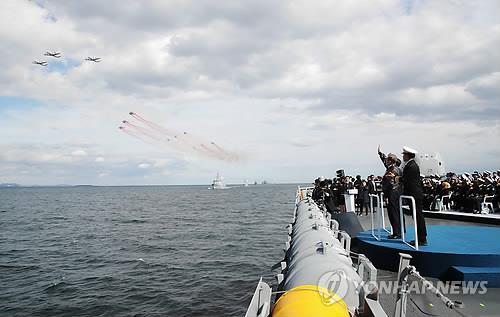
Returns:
<point x="470" y="274"/>
<point x="453" y="252"/>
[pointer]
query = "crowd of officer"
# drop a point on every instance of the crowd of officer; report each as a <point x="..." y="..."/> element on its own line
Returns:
<point x="461" y="192"/>
<point x="330" y="192"/>
<point x="465" y="192"/>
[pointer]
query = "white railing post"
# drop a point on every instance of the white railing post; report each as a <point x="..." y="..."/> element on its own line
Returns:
<point x="402" y="296"/>
<point x="378" y="221"/>
<point x="382" y="209"/>
<point x="372" y="216"/>
<point x="401" y="217"/>
<point x="383" y="214"/>
<point x="380" y="214"/>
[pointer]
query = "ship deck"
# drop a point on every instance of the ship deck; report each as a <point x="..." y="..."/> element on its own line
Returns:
<point x="493" y="219"/>
<point x="428" y="304"/>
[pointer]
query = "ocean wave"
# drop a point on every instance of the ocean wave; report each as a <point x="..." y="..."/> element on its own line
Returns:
<point x="149" y="257"/>
<point x="131" y="221"/>
<point x="18" y="267"/>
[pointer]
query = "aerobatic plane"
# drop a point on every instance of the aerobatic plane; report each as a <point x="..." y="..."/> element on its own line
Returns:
<point x="53" y="54"/>
<point x="93" y="59"/>
<point x="42" y="63"/>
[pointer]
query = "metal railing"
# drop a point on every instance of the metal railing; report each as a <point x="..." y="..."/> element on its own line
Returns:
<point x="302" y="193"/>
<point x="260" y="305"/>
<point x="378" y="223"/>
<point x="406" y="270"/>
<point x="401" y="219"/>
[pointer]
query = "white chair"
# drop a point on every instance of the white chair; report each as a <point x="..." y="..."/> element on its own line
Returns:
<point x="487" y="205"/>
<point x="438" y="204"/>
<point x="447" y="205"/>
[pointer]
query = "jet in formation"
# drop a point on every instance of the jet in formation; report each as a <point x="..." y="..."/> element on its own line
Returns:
<point x="53" y="54"/>
<point x="93" y="59"/>
<point x="56" y="54"/>
<point x="42" y="63"/>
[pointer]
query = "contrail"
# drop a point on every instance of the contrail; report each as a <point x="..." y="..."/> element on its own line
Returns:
<point x="183" y="142"/>
<point x="230" y="156"/>
<point x="135" y="135"/>
<point x="212" y="152"/>
<point x="159" y="136"/>
<point x="152" y="125"/>
<point x="178" y="138"/>
<point x="142" y="130"/>
<point x="171" y="135"/>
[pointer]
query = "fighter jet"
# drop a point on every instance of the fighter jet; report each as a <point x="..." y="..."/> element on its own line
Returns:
<point x="125" y="121"/>
<point x="93" y="59"/>
<point x="53" y="54"/>
<point x="42" y="63"/>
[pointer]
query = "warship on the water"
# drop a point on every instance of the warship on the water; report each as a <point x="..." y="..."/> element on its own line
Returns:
<point x="218" y="182"/>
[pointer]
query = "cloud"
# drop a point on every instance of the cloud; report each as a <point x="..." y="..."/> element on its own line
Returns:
<point x="144" y="165"/>
<point x="301" y="142"/>
<point x="79" y="152"/>
<point x="277" y="80"/>
<point x="485" y="87"/>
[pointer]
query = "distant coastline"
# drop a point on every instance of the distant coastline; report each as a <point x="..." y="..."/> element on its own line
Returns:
<point x="9" y="185"/>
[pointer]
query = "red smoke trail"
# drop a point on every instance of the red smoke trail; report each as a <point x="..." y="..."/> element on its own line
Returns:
<point x="153" y="125"/>
<point x="181" y="141"/>
<point x="197" y="145"/>
<point x="220" y="149"/>
<point x="159" y="134"/>
<point x="212" y="152"/>
<point x="228" y="155"/>
<point x="135" y="135"/>
<point x="180" y="138"/>
<point x="143" y="131"/>
<point x="184" y="140"/>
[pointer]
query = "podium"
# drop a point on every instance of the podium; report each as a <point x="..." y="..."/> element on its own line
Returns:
<point x="349" y="200"/>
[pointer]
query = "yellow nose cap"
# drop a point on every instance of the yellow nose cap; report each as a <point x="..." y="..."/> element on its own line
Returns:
<point x="310" y="301"/>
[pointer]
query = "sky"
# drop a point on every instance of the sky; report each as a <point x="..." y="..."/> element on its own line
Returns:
<point x="294" y="89"/>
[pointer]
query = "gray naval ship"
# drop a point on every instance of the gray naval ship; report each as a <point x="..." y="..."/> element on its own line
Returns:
<point x="321" y="276"/>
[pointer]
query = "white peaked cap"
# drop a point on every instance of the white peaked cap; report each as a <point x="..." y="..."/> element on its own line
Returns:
<point x="407" y="149"/>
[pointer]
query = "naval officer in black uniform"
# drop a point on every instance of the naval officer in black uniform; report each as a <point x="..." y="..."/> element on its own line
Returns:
<point x="412" y="186"/>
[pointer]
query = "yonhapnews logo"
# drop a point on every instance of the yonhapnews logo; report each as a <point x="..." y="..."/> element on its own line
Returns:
<point x="339" y="285"/>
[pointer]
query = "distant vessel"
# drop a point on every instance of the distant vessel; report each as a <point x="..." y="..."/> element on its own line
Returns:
<point x="245" y="183"/>
<point x="218" y="183"/>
